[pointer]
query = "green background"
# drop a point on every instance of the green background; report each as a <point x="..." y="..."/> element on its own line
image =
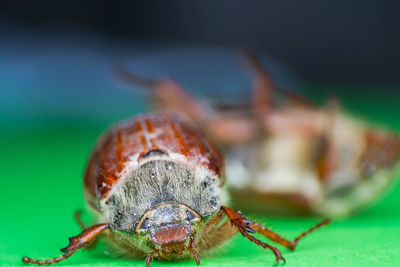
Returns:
<point x="42" y="161"/>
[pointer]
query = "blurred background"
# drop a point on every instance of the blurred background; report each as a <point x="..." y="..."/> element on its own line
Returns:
<point x="58" y="93"/>
<point x="56" y="57"/>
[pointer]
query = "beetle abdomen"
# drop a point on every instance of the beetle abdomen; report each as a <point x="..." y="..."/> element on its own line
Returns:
<point x="119" y="151"/>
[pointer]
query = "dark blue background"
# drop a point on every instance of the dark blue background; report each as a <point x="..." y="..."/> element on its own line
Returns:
<point x="341" y="40"/>
<point x="56" y="56"/>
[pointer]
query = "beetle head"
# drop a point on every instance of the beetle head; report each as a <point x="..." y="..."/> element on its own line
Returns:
<point x="169" y="224"/>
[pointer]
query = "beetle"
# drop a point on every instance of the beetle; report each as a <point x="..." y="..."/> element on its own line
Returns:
<point x="154" y="183"/>
<point x="284" y="153"/>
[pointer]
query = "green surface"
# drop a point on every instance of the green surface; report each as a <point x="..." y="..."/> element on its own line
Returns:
<point x="41" y="187"/>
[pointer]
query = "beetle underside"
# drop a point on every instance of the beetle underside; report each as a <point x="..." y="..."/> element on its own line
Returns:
<point x="285" y="152"/>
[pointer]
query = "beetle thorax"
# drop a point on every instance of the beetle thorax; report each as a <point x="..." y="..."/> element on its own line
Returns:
<point x="157" y="182"/>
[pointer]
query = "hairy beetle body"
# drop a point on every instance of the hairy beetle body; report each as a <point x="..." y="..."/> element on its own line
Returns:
<point x="147" y="169"/>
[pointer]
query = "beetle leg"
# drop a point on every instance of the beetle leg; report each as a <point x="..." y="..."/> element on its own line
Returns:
<point x="282" y="241"/>
<point x="75" y="243"/>
<point x="264" y="86"/>
<point x="78" y="219"/>
<point x="214" y="234"/>
<point x="211" y="224"/>
<point x="234" y="128"/>
<point x="218" y="236"/>
<point x="167" y="93"/>
<point x="192" y="249"/>
<point x="243" y="225"/>
<point x="150" y="256"/>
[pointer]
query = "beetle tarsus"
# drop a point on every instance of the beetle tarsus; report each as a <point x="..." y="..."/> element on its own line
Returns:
<point x="75" y="243"/>
<point x="312" y="229"/>
<point x="48" y="262"/>
<point x="244" y="228"/>
<point x="278" y="255"/>
<point x="291" y="245"/>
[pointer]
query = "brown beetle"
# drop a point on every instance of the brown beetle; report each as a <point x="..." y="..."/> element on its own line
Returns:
<point x="154" y="184"/>
<point x="284" y="154"/>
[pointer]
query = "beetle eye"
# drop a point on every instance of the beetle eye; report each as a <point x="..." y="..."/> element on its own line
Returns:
<point x="145" y="224"/>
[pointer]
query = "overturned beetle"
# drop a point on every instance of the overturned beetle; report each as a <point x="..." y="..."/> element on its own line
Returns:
<point x="285" y="154"/>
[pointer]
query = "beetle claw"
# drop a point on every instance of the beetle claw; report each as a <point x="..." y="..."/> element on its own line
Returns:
<point x="249" y="229"/>
<point x="280" y="261"/>
<point x="149" y="256"/>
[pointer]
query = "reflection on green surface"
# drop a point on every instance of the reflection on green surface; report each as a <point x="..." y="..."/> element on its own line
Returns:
<point x="41" y="187"/>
